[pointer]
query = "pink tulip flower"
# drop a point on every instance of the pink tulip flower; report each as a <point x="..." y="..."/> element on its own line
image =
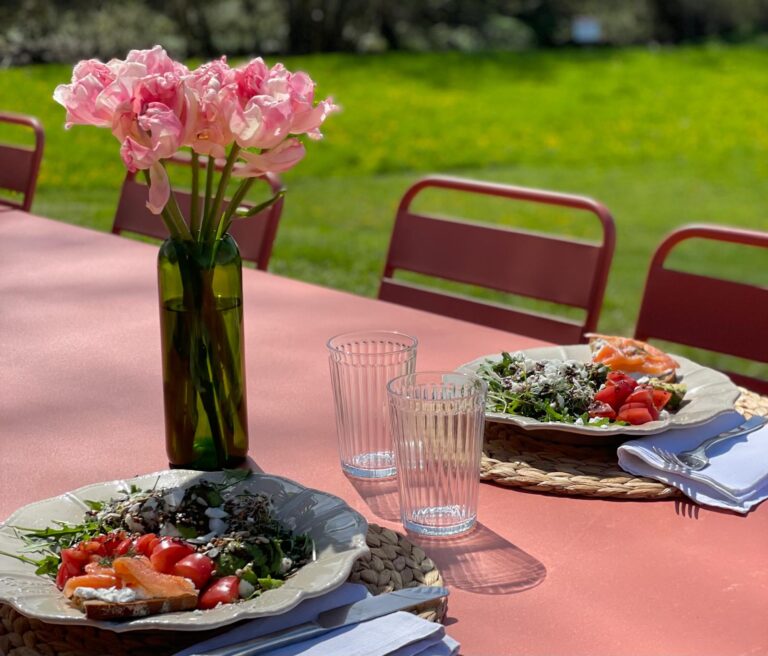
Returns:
<point x="160" y="137"/>
<point x="80" y="98"/>
<point x="263" y="123"/>
<point x="156" y="61"/>
<point x="279" y="159"/>
<point x="214" y="89"/>
<point x="250" y="79"/>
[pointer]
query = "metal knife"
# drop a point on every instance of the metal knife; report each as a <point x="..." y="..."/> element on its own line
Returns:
<point x="360" y="611"/>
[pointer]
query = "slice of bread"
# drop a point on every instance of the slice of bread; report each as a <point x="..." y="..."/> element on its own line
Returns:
<point x="95" y="609"/>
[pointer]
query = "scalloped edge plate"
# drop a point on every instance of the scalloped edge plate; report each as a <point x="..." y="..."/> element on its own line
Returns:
<point x="710" y="394"/>
<point x="338" y="531"/>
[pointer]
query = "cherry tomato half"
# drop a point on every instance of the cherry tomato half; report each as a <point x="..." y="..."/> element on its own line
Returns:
<point x="169" y="552"/>
<point x="661" y="398"/>
<point x="221" y="591"/>
<point x="146" y="544"/>
<point x="609" y="394"/>
<point x="635" y="414"/>
<point x="196" y="567"/>
<point x="601" y="409"/>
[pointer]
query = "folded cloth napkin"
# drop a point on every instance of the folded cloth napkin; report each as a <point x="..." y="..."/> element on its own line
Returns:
<point x="740" y="464"/>
<point x="398" y="634"/>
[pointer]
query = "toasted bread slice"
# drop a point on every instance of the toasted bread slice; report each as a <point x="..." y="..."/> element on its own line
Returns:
<point x="95" y="609"/>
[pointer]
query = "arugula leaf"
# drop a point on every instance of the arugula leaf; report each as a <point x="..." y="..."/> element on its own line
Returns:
<point x="187" y="532"/>
<point x="48" y="566"/>
<point x="268" y="583"/>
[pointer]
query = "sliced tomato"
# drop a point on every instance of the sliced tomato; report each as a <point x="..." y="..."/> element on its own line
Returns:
<point x="63" y="575"/>
<point x="93" y="548"/>
<point x="75" y="558"/>
<point x="609" y="394"/>
<point x="146" y="544"/>
<point x="196" y="567"/>
<point x="600" y="409"/>
<point x="221" y="591"/>
<point x="625" y="385"/>
<point x="123" y="547"/>
<point x="73" y="562"/>
<point x="169" y="552"/>
<point x="111" y="541"/>
<point x="641" y="394"/>
<point x="635" y="413"/>
<point x="620" y="376"/>
<point x="661" y="398"/>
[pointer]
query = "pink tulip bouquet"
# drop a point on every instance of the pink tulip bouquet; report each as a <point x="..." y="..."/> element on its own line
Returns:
<point x="252" y="116"/>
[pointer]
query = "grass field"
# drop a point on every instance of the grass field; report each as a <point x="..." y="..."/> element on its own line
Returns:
<point x="662" y="137"/>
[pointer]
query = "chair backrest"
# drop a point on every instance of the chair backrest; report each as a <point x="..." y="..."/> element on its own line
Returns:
<point x="539" y="266"/>
<point x="255" y="236"/>
<point x="718" y="315"/>
<point x="19" y="165"/>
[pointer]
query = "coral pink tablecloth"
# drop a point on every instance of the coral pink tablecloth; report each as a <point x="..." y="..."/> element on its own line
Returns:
<point x="80" y="402"/>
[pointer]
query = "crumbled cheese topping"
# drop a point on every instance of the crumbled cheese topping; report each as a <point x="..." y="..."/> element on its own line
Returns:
<point x="110" y="595"/>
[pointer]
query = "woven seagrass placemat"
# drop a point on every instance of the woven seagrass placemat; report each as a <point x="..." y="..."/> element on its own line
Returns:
<point x="394" y="563"/>
<point x="514" y="458"/>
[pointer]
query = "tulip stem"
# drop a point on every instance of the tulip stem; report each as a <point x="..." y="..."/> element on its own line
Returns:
<point x="194" y="213"/>
<point x="212" y="219"/>
<point x="171" y="221"/>
<point x="209" y="171"/>
<point x="175" y="210"/>
<point x="226" y="221"/>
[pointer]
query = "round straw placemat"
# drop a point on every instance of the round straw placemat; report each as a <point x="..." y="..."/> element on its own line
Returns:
<point x="394" y="563"/>
<point x="515" y="458"/>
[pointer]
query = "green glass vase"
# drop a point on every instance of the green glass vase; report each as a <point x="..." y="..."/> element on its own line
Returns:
<point x="201" y="323"/>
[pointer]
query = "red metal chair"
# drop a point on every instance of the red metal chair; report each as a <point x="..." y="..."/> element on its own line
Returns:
<point x="539" y="266"/>
<point x="703" y="312"/>
<point x="19" y="165"/>
<point x="255" y="236"/>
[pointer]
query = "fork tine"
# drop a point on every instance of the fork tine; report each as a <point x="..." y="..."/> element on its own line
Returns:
<point x="666" y="456"/>
<point x="675" y="466"/>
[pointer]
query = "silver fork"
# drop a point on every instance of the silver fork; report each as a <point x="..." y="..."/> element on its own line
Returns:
<point x="696" y="459"/>
<point x="673" y="466"/>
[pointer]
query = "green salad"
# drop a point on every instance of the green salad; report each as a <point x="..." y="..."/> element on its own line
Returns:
<point x="545" y="390"/>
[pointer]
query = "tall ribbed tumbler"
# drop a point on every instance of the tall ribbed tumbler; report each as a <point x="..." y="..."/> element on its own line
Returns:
<point x="437" y="426"/>
<point x="361" y="365"/>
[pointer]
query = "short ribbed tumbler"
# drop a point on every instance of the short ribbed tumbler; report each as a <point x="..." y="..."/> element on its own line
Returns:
<point x="362" y="364"/>
<point x="437" y="426"/>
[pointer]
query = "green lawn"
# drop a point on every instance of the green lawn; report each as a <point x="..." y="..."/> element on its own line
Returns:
<point x="662" y="137"/>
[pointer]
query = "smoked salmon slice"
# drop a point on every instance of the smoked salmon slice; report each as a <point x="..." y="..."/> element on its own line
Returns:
<point x="90" y="581"/>
<point x="139" y="573"/>
<point x="630" y="355"/>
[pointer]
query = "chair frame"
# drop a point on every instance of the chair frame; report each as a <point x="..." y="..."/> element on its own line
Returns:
<point x="9" y="179"/>
<point x="262" y="257"/>
<point x="664" y="315"/>
<point x="548" y="327"/>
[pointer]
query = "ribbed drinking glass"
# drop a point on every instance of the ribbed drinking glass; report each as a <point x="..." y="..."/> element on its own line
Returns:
<point x="437" y="427"/>
<point x="361" y="365"/>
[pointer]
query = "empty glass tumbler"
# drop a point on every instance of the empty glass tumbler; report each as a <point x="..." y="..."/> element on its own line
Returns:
<point x="437" y="427"/>
<point x="361" y="365"/>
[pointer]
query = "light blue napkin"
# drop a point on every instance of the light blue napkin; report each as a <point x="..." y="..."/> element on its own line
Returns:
<point x="740" y="465"/>
<point x="398" y="634"/>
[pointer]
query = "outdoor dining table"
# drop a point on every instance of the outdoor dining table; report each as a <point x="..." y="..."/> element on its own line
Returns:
<point x="81" y="402"/>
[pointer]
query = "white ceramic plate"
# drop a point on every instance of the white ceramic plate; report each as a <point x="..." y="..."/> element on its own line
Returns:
<point x="709" y="394"/>
<point x="337" y="530"/>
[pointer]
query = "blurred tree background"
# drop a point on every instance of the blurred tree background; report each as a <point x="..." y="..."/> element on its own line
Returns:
<point x="33" y="31"/>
